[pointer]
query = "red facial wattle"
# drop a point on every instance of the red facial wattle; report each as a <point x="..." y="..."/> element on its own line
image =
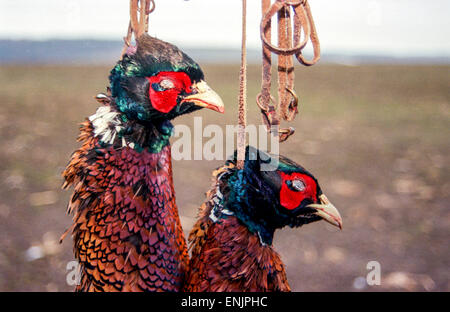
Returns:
<point x="291" y="199"/>
<point x="164" y="101"/>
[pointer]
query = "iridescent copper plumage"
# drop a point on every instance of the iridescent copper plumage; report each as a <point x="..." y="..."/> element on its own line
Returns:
<point x="231" y="241"/>
<point x="127" y="233"/>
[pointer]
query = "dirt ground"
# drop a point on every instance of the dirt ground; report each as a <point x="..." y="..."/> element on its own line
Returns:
<point x="376" y="137"/>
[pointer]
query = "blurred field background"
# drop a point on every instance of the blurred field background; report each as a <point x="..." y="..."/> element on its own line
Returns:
<point x="376" y="137"/>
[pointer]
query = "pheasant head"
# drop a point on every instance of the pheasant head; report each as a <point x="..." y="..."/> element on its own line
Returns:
<point x="270" y="200"/>
<point x="231" y="242"/>
<point x="159" y="82"/>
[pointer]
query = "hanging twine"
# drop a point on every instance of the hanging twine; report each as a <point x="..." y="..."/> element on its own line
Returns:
<point x="139" y="16"/>
<point x="289" y="44"/>
<point x="242" y="117"/>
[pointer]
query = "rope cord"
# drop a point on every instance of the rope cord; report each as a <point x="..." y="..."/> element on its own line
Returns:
<point x="242" y="117"/>
<point x="287" y="106"/>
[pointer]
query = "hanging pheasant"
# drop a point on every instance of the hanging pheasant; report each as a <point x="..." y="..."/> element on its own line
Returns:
<point x="231" y="243"/>
<point x="126" y="229"/>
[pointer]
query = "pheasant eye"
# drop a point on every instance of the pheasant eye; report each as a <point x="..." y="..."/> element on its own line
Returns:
<point x="166" y="84"/>
<point x="297" y="185"/>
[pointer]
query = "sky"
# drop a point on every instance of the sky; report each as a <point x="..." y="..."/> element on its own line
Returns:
<point x="386" y="27"/>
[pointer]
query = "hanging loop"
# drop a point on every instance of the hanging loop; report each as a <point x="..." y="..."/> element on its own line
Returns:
<point x="294" y="19"/>
<point x="268" y="112"/>
<point x="314" y="39"/>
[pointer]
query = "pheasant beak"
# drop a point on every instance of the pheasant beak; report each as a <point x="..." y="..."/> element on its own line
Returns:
<point x="327" y="211"/>
<point x="205" y="97"/>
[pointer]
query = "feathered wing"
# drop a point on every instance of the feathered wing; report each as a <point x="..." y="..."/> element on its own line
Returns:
<point x="126" y="230"/>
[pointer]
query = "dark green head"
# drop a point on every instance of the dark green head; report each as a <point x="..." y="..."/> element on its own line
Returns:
<point x="268" y="200"/>
<point x="157" y="82"/>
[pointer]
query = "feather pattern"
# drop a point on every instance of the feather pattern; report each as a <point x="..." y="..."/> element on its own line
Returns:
<point x="127" y="234"/>
<point x="231" y="243"/>
<point x="226" y="256"/>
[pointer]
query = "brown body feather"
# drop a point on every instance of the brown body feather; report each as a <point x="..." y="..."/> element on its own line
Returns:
<point x="126" y="231"/>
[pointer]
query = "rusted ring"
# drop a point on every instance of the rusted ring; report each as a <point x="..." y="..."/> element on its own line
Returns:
<point x="293" y="104"/>
<point x="261" y="106"/>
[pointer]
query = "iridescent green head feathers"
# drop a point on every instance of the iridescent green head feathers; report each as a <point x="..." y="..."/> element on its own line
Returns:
<point x="159" y="82"/>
